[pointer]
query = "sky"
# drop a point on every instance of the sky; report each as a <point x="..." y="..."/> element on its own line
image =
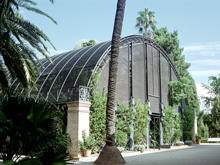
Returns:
<point x="197" y="23"/>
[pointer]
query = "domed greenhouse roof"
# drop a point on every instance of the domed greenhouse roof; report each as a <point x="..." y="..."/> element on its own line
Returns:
<point x="69" y="75"/>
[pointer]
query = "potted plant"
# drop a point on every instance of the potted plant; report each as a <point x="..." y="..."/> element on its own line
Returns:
<point x="86" y="144"/>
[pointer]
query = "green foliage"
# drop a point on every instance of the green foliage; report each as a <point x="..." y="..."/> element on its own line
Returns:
<point x="88" y="43"/>
<point x="172" y="125"/>
<point x="204" y="140"/>
<point x="191" y="94"/>
<point x="170" y="43"/>
<point x="123" y="122"/>
<point x="207" y="119"/>
<point x="206" y="132"/>
<point x="121" y="138"/>
<point x="121" y="149"/>
<point x="31" y="128"/>
<point x="176" y="92"/>
<point x="188" y="142"/>
<point x="214" y="86"/>
<point x="19" y="41"/>
<point x="88" y="143"/>
<point x="140" y="123"/>
<point x="84" y="43"/>
<point x="97" y="113"/>
<point x="140" y="148"/>
<point x="188" y="124"/>
<point x="123" y="119"/>
<point x="213" y="120"/>
<point x="203" y="130"/>
<point x="216" y="117"/>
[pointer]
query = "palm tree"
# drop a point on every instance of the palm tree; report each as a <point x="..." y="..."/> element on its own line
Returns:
<point x="146" y="20"/>
<point x="110" y="148"/>
<point x="19" y="40"/>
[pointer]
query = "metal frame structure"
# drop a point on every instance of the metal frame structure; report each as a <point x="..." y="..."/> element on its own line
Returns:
<point x="68" y="77"/>
<point x="71" y="66"/>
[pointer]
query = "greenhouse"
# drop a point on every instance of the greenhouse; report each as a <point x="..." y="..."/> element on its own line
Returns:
<point x="144" y="71"/>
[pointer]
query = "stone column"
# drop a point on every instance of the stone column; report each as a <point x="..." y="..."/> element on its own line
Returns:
<point x="77" y="121"/>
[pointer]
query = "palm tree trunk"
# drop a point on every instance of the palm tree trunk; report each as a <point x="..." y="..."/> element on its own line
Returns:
<point x="113" y="68"/>
<point x="110" y="147"/>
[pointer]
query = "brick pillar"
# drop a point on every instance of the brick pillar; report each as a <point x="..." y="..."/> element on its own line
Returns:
<point x="77" y="121"/>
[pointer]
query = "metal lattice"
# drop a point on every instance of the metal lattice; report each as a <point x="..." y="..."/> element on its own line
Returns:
<point x="60" y="81"/>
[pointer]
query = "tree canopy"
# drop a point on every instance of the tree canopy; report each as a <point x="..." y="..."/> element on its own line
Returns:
<point x="145" y="22"/>
<point x="214" y="99"/>
<point x="170" y="43"/>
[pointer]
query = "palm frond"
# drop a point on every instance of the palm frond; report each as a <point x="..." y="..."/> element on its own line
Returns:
<point x="37" y="11"/>
<point x="14" y="62"/>
<point x="28" y="1"/>
<point x="145" y="20"/>
<point x="4" y="84"/>
<point x="19" y="38"/>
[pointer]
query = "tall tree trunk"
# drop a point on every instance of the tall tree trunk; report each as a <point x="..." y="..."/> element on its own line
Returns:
<point x="110" y="154"/>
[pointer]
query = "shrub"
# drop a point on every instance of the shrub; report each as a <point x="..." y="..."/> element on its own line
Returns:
<point x="216" y="116"/>
<point x="121" y="138"/>
<point x="171" y="125"/>
<point x="140" y="123"/>
<point x="98" y="118"/>
<point x="121" y="149"/>
<point x="31" y="128"/>
<point x="188" y="142"/>
<point x="207" y="118"/>
<point x="140" y="148"/>
<point x="188" y="124"/>
<point x="87" y="143"/>
<point x="123" y="119"/>
<point x="176" y="92"/>
<point x="123" y="122"/>
<point x="206" y="132"/>
<point x="204" y="140"/>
